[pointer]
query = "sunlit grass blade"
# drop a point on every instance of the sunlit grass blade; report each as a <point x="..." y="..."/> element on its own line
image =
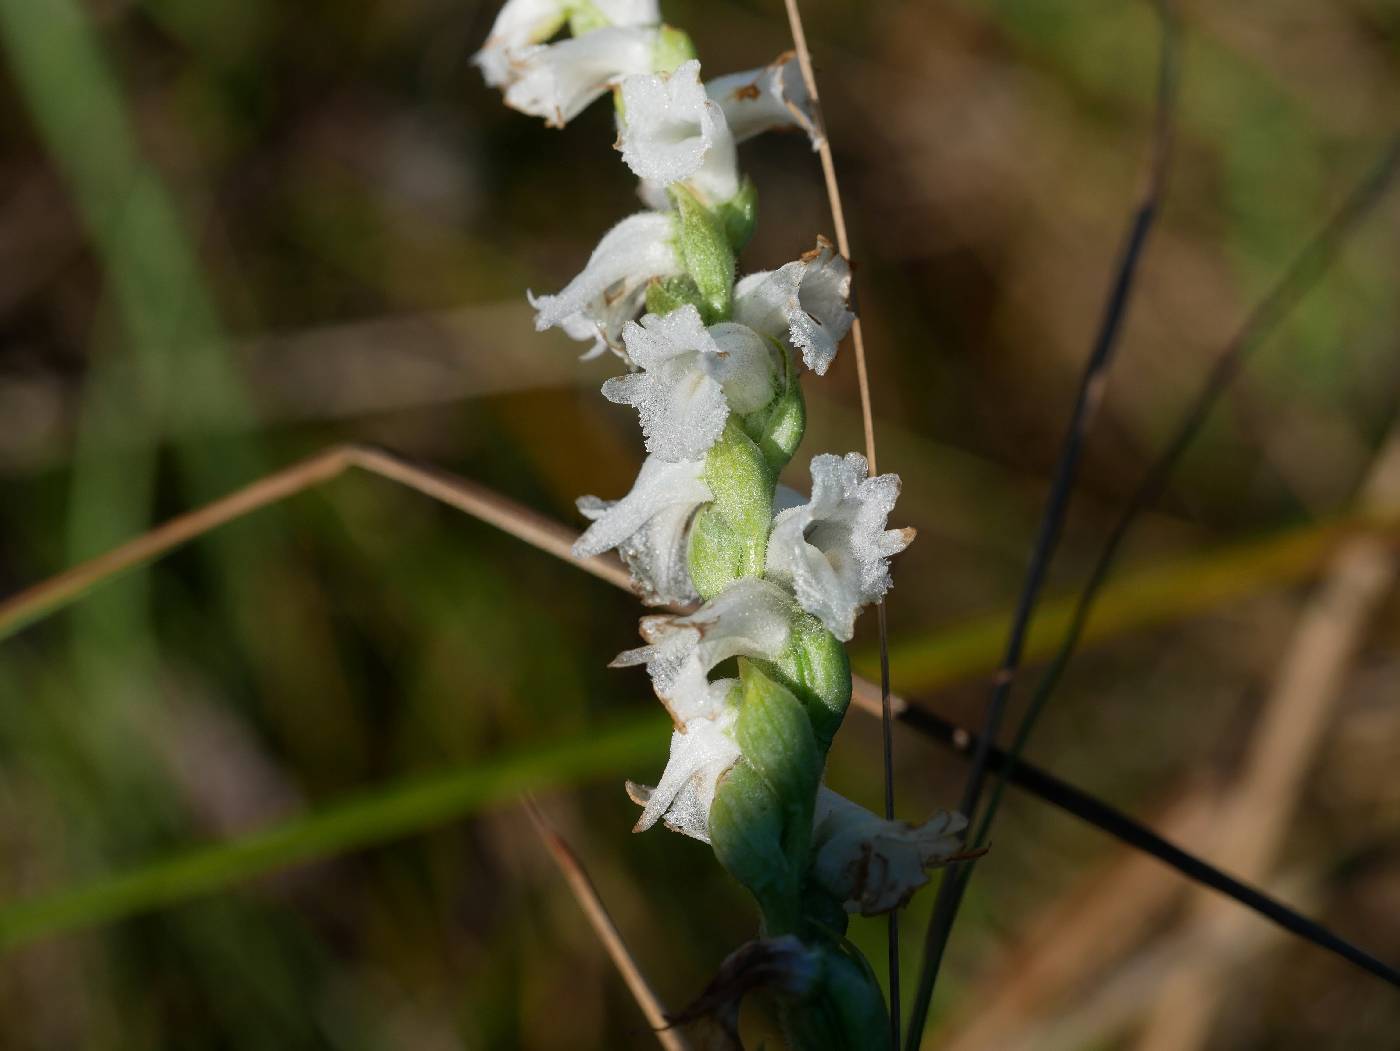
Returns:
<point x="377" y="816"/>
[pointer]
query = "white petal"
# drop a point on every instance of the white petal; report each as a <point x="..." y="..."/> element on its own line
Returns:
<point x="805" y="303"/>
<point x="520" y="24"/>
<point x="558" y="81"/>
<point x="834" y="550"/>
<point x="759" y="100"/>
<point x="701" y="754"/>
<point x="871" y="864"/>
<point x="612" y="287"/>
<point x="629" y="12"/>
<point x="682" y="393"/>
<point x="669" y="124"/>
<point x="750" y="618"/>
<point x="650" y="526"/>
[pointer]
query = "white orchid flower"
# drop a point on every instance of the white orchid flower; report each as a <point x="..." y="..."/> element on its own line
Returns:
<point x="558" y="81"/>
<point x="650" y="528"/>
<point x="750" y="618"/>
<point x="805" y="303"/>
<point x="612" y="287"/>
<point x="670" y="131"/>
<point x="771" y="97"/>
<point x="523" y="23"/>
<point x="701" y="754"/>
<point x="874" y="865"/>
<point x="834" y="550"/>
<point x="690" y="378"/>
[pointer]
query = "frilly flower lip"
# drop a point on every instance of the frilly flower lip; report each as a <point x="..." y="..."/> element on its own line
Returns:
<point x="649" y="527"/>
<point x="750" y="618"/>
<point x="670" y="131"/>
<point x="690" y="377"/>
<point x="701" y="754"/>
<point x="765" y="99"/>
<point x="834" y="550"/>
<point x="611" y="289"/>
<point x="805" y="303"/>
<point x="559" y="81"/>
<point x="873" y="865"/>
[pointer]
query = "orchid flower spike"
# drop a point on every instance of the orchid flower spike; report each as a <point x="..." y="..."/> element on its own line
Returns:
<point x="834" y="550"/>
<point x="559" y="81"/>
<point x="612" y="288"/>
<point x="650" y="528"/>
<point x="750" y="618"/>
<point x="804" y="303"/>
<point x="873" y="865"/>
<point x="670" y="131"/>
<point x="766" y="99"/>
<point x="690" y="379"/>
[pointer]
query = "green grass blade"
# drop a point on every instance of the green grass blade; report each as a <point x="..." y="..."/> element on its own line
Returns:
<point x="378" y="816"/>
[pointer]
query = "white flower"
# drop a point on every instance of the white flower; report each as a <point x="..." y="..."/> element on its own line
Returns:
<point x="701" y="754"/>
<point x="650" y="526"/>
<point x="671" y="131"/>
<point x="522" y="23"/>
<point x="874" y="865"/>
<point x="759" y="100"/>
<point x="750" y="618"/>
<point x="612" y="287"/>
<point x="834" y="550"/>
<point x="558" y="81"/>
<point x="690" y="378"/>
<point x="805" y="303"/>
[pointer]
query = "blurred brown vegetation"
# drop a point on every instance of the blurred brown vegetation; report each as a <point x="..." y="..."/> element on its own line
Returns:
<point x="318" y="225"/>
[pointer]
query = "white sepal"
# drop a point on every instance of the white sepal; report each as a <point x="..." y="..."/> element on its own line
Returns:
<point x="649" y="527"/>
<point x="558" y="81"/>
<point x="873" y="865"/>
<point x="773" y="96"/>
<point x="670" y="132"/>
<point x="611" y="289"/>
<point x="750" y="618"/>
<point x="701" y="754"/>
<point x="805" y="303"/>
<point x="834" y="550"/>
<point x="689" y="379"/>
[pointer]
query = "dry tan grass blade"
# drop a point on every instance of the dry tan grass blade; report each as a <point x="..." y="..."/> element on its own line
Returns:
<point x="586" y="894"/>
<point x="1258" y="809"/>
<point x="476" y="500"/>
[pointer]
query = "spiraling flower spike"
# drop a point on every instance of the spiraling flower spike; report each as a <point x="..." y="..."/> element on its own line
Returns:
<point x="873" y="865"/>
<point x="649" y="527"/>
<point x="612" y="287"/>
<point x="701" y="754"/>
<point x="690" y="379"/>
<point x="766" y="99"/>
<point x="834" y="550"/>
<point x="805" y="303"/>
<point x="558" y="81"/>
<point x="750" y="618"/>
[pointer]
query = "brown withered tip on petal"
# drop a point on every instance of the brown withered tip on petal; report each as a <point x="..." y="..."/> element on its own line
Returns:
<point x="908" y="535"/>
<point x="641" y="795"/>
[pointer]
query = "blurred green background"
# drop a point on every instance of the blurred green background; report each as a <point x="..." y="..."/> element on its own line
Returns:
<point x="232" y="233"/>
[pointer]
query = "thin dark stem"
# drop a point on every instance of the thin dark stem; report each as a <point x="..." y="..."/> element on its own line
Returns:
<point x="1091" y="389"/>
<point x="1109" y="819"/>
<point x="1304" y="272"/>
